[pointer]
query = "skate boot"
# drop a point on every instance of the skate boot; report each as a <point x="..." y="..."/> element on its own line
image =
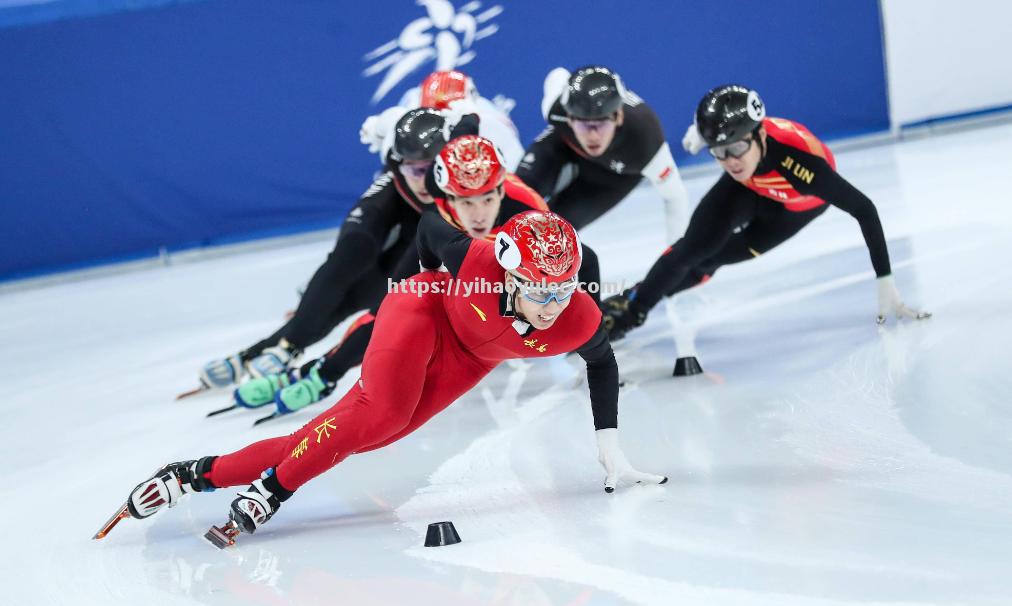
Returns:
<point x="222" y="373"/>
<point x="253" y="507"/>
<point x="250" y="510"/>
<point x="302" y="393"/>
<point x="273" y="360"/>
<point x="168" y="485"/>
<point x="257" y="392"/>
<point x="621" y="314"/>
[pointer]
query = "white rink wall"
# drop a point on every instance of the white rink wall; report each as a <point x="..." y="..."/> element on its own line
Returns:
<point x="946" y="58"/>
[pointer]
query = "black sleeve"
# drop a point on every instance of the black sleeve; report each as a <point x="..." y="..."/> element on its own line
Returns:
<point x="590" y="273"/>
<point x="375" y="213"/>
<point x="440" y="243"/>
<point x="602" y="378"/>
<point x="823" y="181"/>
<point x="542" y="161"/>
<point x="357" y="249"/>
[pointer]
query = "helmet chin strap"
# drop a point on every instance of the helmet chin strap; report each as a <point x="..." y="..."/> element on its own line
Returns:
<point x="516" y="308"/>
<point x="514" y="301"/>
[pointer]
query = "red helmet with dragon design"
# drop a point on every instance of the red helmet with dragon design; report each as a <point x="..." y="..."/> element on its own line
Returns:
<point x="539" y="246"/>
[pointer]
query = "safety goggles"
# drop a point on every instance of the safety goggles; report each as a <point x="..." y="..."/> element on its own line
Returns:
<point x="414" y="169"/>
<point x="587" y="126"/>
<point x="543" y="293"/>
<point x="731" y="150"/>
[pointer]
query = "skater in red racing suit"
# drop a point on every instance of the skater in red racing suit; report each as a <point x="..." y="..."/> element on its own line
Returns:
<point x="436" y="337"/>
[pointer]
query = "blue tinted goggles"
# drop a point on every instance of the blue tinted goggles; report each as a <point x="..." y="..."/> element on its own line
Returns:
<point x="543" y="293"/>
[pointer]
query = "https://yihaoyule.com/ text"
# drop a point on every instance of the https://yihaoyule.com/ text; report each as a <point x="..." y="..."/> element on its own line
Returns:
<point x="480" y="286"/>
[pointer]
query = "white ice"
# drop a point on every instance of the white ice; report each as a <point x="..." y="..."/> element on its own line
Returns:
<point x="820" y="460"/>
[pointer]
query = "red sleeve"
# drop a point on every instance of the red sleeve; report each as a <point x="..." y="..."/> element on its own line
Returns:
<point x="521" y="192"/>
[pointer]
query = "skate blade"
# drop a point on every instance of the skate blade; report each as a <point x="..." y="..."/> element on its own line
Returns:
<point x="222" y="536"/>
<point x="193" y="392"/>
<point x="123" y="513"/>
<point x="222" y="410"/>
<point x="269" y="417"/>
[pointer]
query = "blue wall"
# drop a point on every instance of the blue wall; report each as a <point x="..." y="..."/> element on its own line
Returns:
<point x="195" y="123"/>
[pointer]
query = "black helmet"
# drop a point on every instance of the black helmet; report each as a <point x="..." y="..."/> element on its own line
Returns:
<point x="594" y="93"/>
<point x="729" y="113"/>
<point x="418" y="135"/>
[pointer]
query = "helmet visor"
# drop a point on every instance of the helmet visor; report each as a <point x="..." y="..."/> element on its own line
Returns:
<point x="584" y="126"/>
<point x="416" y="169"/>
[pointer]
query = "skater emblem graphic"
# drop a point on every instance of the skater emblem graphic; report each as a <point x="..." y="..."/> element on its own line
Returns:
<point x="446" y="35"/>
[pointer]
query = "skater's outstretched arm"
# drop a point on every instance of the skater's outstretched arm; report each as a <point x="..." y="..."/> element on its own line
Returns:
<point x="602" y="377"/>
<point x="820" y="179"/>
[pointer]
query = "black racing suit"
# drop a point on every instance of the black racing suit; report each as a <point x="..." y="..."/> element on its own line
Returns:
<point x="794" y="183"/>
<point x="376" y="233"/>
<point x="600" y="182"/>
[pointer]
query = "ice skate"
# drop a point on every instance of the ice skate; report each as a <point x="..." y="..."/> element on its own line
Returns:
<point x="249" y="511"/>
<point x="221" y="373"/>
<point x="164" y="488"/>
<point x="260" y="391"/>
<point x="273" y="360"/>
<point x="298" y="395"/>
<point x="621" y="314"/>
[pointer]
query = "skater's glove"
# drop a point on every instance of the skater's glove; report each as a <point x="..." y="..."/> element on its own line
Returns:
<point x="616" y="467"/>
<point x="504" y="104"/>
<point x="369" y="134"/>
<point x="555" y="82"/>
<point x="376" y="130"/>
<point x="889" y="302"/>
<point x="693" y="142"/>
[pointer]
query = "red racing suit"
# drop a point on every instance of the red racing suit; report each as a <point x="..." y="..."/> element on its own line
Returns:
<point x="426" y="351"/>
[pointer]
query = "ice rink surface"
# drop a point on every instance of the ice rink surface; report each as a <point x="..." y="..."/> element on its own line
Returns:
<point x="820" y="460"/>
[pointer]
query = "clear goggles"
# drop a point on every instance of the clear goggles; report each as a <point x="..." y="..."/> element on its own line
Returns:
<point x="414" y="169"/>
<point x="543" y="293"/>
<point x="587" y="126"/>
<point x="731" y="150"/>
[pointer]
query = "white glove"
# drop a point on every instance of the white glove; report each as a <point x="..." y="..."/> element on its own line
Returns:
<point x="368" y="134"/>
<point x="693" y="142"/>
<point x="616" y="466"/>
<point x="376" y="128"/>
<point x="555" y="82"/>
<point x="889" y="302"/>
<point x="504" y="103"/>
